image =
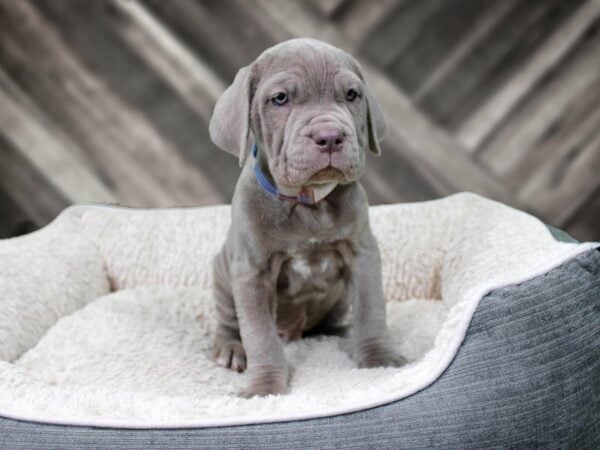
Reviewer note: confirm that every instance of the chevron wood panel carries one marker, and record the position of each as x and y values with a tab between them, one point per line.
109	100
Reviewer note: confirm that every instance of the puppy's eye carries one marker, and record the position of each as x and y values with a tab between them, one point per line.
351	95
280	99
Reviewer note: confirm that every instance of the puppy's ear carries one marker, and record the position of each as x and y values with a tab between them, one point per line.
376	124
229	125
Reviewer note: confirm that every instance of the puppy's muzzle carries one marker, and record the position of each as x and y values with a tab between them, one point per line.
329	139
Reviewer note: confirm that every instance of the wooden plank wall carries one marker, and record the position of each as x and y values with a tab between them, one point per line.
109	100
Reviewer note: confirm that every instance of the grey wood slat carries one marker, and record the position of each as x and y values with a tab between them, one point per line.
577	124
397	30
359	18
220	31
439	35
585	224
564	182
49	151
193	79
392	178
493	61
438	159
486	118
560	156
486	21
328	8
526	127
99	35
10	213
37	199
142	166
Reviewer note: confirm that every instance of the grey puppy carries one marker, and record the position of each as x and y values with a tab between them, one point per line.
299	256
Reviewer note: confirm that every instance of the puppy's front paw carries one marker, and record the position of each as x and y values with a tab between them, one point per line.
378	352
231	355
267	381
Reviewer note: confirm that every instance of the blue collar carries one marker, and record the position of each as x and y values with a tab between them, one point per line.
305	196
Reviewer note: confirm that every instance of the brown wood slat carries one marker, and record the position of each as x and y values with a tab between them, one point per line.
552	103
142	166
489	116
492	62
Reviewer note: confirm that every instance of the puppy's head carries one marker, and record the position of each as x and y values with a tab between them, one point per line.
306	105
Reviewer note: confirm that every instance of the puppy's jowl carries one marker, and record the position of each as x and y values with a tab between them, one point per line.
299	256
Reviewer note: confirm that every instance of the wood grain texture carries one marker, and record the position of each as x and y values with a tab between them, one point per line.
551	104
27	187
483	70
110	100
585	221
46	149
562	41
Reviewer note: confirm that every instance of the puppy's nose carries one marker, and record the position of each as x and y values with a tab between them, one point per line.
329	139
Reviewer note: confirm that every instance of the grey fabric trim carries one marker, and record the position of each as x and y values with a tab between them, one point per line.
526	376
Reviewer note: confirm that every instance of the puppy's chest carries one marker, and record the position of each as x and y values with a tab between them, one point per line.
309	284
309	274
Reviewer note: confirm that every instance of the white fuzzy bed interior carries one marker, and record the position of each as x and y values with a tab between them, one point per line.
107	315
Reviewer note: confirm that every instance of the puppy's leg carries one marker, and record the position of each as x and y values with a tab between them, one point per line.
372	341
228	350
253	296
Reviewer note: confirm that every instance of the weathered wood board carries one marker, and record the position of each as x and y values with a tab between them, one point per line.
110	100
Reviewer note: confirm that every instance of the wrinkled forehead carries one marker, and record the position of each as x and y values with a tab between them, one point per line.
313	66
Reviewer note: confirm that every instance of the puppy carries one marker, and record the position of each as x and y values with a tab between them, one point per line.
299	256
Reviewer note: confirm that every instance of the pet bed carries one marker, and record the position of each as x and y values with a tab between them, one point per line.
106	315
